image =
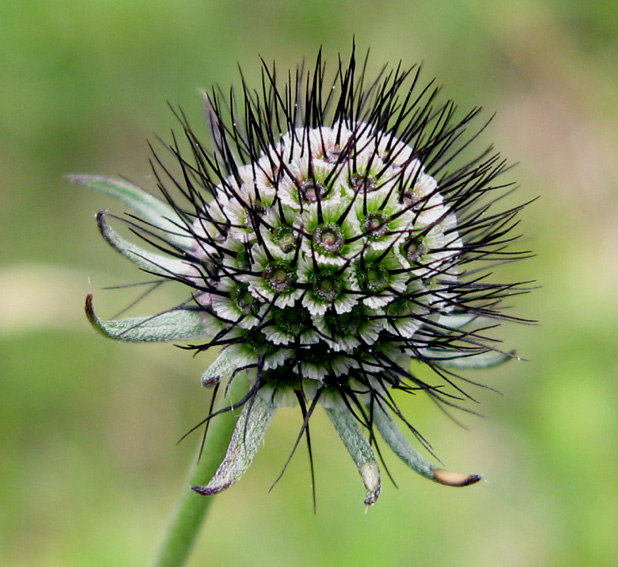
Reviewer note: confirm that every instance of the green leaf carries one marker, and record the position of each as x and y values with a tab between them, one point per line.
176	325
148	207
223	366
461	361
250	428
148	261
456	321
360	450
397	441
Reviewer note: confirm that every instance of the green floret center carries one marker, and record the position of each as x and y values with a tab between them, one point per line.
401	308
374	278
282	378
285	238
345	323
292	320
243	258
326	286
258	344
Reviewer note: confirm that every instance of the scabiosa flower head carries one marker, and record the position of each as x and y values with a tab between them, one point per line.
328	235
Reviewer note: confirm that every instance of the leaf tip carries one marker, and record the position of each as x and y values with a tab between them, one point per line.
450	478
82	178
210	490
92	318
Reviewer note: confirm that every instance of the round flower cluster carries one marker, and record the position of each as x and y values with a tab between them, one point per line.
329	250
329	241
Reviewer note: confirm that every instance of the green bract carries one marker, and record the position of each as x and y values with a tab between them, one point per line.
325	245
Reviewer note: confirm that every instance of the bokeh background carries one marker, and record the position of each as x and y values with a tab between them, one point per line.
89	465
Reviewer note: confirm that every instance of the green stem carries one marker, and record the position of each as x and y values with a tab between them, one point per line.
192	508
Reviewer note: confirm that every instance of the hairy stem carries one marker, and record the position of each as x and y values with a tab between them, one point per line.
192	508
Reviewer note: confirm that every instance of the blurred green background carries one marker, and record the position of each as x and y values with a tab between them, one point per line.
90	469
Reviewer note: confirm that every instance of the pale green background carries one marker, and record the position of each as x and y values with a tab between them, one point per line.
89	468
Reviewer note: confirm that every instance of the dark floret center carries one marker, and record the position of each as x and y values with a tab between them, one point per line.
242	298
376	224
311	190
363	182
344	323
259	344
282	377
251	214
333	156
328	238
278	276
413	249
409	199
258	209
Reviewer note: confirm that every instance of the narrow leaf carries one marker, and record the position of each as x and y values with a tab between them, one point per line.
250	428
148	261
399	444
360	450
456	321
148	207
177	325
455	359
397	441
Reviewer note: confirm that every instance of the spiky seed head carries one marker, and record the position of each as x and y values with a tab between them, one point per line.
330	237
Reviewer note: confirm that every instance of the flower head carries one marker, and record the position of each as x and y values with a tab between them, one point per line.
328	238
